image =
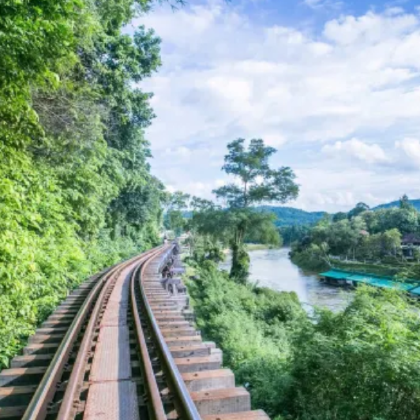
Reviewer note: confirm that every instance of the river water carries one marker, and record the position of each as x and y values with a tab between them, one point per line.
273	268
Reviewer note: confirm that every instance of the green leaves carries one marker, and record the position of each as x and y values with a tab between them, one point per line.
73	157
360	363
258	182
363	235
250	325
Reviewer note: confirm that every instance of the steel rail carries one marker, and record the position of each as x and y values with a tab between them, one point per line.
67	407
156	410
38	406
183	398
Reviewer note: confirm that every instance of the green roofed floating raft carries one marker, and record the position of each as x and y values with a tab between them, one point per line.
351	278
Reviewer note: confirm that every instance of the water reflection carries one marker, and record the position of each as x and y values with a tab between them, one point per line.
272	268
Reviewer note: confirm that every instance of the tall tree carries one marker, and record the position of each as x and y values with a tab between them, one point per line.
175	206
256	183
360	208
405	203
339	216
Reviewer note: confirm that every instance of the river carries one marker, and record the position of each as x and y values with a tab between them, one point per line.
273	268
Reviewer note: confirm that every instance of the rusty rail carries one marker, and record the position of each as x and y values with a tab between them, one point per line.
38	406
157	410
37	409
88	315
183	400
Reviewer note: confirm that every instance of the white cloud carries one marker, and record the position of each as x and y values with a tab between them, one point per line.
170	188
323	4
411	149
182	152
201	189
272	139
372	30
393	11
357	149
225	76
313	3
339	189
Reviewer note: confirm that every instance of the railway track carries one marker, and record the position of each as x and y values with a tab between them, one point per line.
123	345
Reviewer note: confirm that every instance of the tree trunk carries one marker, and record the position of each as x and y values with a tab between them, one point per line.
240	263
240	258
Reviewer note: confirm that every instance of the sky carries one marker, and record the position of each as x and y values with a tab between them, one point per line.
334	86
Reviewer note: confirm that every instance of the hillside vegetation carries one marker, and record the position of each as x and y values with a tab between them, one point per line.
362	235
360	363
76	191
396	204
289	216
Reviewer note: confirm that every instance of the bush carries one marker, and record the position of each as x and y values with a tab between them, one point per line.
252	325
360	363
311	258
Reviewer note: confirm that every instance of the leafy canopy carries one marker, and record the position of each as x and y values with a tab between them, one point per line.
257	182
77	192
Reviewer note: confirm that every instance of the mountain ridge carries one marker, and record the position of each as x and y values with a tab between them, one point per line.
291	216
396	203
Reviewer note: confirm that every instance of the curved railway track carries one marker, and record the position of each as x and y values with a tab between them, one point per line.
123	346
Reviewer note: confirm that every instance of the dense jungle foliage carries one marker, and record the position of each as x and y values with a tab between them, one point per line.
75	186
361	235
360	363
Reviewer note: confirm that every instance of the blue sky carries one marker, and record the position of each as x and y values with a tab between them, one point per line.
333	85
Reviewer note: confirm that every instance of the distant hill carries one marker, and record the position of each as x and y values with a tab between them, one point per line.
415	203
288	216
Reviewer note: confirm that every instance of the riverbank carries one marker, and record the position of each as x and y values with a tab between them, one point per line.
301	366
316	262
378	269
274	269
259	247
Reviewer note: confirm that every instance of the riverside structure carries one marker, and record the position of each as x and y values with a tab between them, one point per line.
337	277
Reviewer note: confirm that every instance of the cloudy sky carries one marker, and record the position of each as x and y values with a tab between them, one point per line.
333	85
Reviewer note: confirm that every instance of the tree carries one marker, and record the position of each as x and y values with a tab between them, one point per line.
371	219
391	242
256	183
360	363
405	203
339	216
177	201
360	208
75	184
176	205
293	233
405	219
358	227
